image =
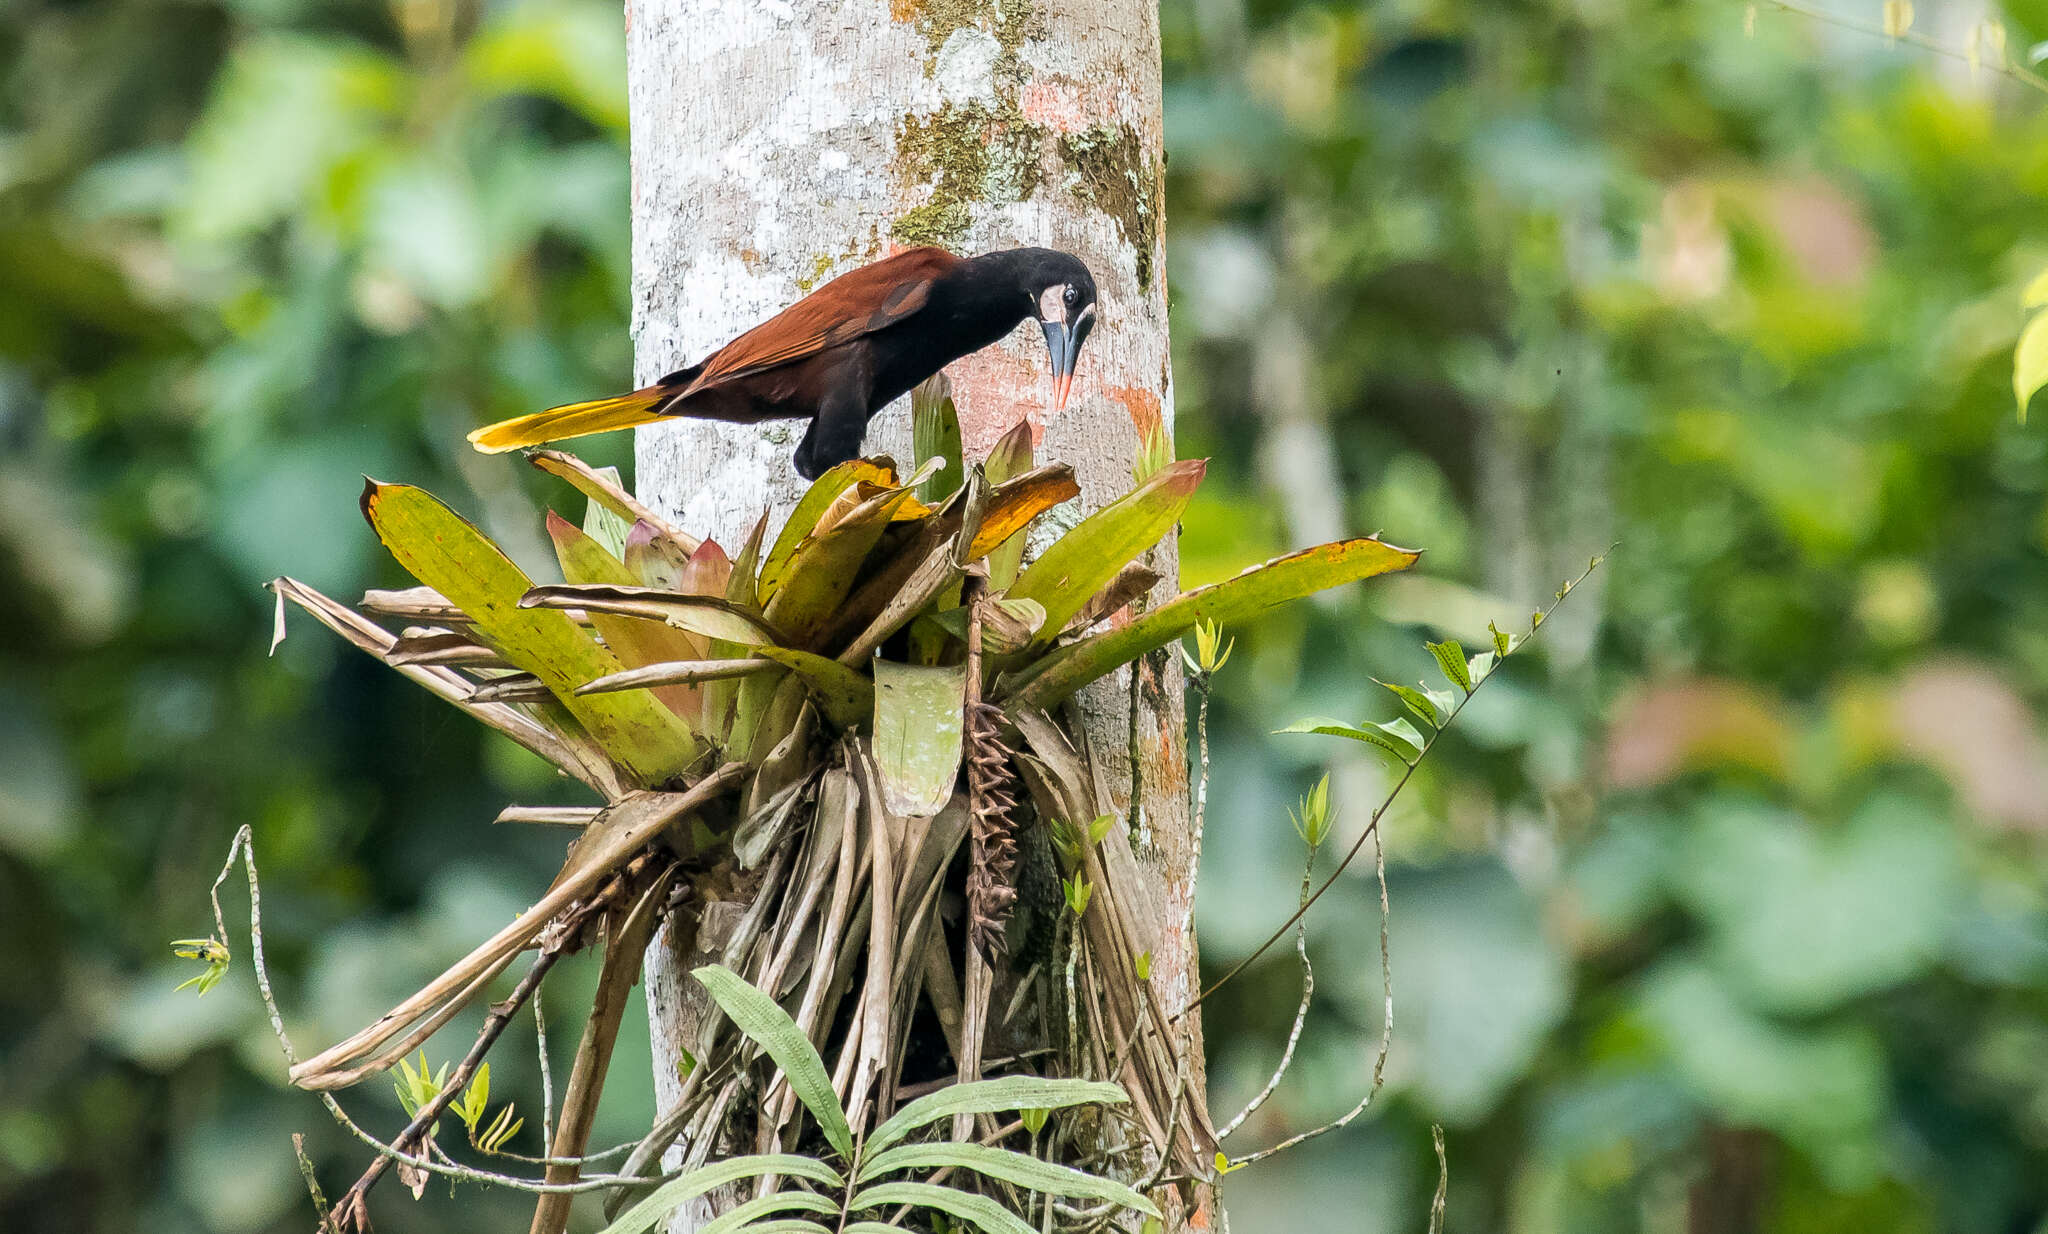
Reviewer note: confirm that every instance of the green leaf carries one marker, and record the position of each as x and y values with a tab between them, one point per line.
705	615
780	1202
743	588
1451	659
985	1214
917	734
1396	737
446	553
1068	574
1061	672
1481	666
470	1106
1010	1167
583	558
1421	704
787	1225
1312	820
1010	457
1015	1092
1211	652
769	1027
846	698
1502	644
811	507
935	434
607	526
2030	363
1155	444
2036	293
678	672
636	641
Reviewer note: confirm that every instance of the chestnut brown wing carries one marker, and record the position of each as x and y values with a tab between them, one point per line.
856	303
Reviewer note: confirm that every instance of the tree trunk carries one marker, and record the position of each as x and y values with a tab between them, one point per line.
776	144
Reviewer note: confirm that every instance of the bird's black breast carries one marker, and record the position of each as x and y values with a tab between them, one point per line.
906	354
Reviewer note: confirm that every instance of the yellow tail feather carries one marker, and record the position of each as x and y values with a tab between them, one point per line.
575	420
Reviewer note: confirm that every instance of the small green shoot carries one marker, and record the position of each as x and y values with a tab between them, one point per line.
1312	820
1211	651
1078	891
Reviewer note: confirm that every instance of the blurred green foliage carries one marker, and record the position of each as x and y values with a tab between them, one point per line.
1725	911
1723	908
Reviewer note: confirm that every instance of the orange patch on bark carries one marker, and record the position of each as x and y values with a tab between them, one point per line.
994	389
902	10
1143	405
1055	103
1166	769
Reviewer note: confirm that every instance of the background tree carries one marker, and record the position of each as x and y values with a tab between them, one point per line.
1555	275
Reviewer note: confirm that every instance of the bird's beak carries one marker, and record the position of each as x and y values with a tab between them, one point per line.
1063	344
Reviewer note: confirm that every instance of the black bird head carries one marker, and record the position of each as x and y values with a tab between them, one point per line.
1062	295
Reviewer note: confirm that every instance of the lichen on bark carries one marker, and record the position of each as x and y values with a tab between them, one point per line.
969	152
1010	21
978	150
1113	174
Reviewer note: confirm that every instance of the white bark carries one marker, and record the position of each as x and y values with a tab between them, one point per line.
776	143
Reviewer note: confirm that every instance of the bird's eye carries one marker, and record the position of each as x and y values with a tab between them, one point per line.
1073	297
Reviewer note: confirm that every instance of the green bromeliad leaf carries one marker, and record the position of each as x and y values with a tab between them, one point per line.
637	642
823	570
1067	575
845	696
445	552
705	615
1060	673
1010	457
811	507
935	433
917	734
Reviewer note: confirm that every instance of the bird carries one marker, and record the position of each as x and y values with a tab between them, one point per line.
849	349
